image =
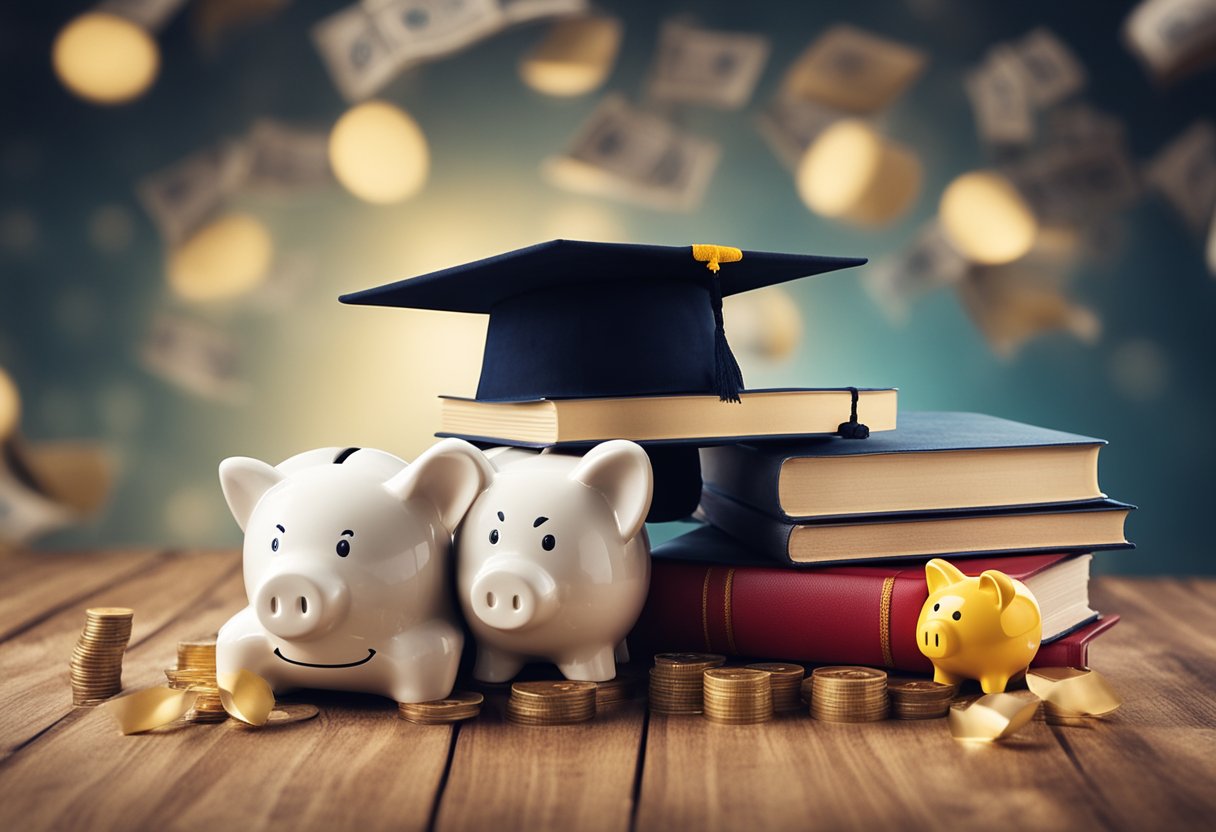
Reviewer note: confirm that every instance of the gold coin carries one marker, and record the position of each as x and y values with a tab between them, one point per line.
566	687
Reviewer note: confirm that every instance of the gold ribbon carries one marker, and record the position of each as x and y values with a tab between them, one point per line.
884	620
711	255
245	695
992	717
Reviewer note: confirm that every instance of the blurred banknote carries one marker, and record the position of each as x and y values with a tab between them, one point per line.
1011	305
194	357
1079	124
213	19
627	154
1172	38
999	99
152	15
183	196
366	45
1050	70
854	70
49	485
1077	184
1184	171
930	263
285	158
789	125
701	66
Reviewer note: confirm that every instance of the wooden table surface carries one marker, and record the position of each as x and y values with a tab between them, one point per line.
1152	764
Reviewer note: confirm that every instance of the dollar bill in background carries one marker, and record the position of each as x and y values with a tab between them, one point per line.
1172	38
790	124
194	357
1184	172
183	196
999	100
1011	305
1050	71
366	45
24	512
624	153
927	265
701	66
287	159
152	15
1080	123
1076	185
854	70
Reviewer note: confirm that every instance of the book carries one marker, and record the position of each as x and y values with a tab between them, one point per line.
1077	527
932	461
760	413
721	602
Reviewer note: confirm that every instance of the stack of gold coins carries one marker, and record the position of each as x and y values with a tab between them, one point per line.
675	681
804	690
551	703
196	671
919	698
96	666
787	683
849	694
458	706
738	695
624	687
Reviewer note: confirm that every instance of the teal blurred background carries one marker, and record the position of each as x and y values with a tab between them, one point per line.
76	304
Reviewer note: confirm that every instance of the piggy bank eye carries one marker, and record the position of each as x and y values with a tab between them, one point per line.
343	548
937	607
548	542
957	615
493	536
274	545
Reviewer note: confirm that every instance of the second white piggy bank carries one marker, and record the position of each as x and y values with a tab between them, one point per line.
553	562
346	568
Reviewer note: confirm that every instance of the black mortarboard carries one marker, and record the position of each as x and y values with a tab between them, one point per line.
571	319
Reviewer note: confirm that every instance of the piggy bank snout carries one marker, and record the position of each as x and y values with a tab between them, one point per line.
297	606
511	595
937	639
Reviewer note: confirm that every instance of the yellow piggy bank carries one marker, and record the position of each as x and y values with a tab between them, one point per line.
986	628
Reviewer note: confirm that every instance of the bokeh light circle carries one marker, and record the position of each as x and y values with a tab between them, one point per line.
226	258
10	405
985	218
104	58
852	173
379	153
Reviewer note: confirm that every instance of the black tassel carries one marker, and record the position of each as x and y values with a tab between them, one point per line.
728	378
853	429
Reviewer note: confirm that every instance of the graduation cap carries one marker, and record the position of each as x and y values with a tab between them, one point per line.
572	319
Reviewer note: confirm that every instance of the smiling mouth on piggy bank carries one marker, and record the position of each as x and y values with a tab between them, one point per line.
364	660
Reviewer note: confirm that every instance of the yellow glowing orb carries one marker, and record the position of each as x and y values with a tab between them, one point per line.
225	258
574	58
985	218
852	173
104	58
379	153
10	405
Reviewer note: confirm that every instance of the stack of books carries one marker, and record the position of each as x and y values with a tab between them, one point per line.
814	551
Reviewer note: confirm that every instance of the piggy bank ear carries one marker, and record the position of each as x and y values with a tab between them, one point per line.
620	470
244	481
1018	612
940	574
449	475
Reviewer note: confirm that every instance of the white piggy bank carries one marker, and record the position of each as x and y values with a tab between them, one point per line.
346	569
553	562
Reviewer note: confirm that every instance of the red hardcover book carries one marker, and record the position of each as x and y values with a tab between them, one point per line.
835	615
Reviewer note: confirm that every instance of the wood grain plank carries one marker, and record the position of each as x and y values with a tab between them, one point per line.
34	665
796	772
506	776
34	585
1153	761
355	766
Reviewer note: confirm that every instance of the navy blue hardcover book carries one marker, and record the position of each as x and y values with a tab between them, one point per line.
930	462
1069	527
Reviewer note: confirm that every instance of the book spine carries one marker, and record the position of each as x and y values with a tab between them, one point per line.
757	530
745	475
820	618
